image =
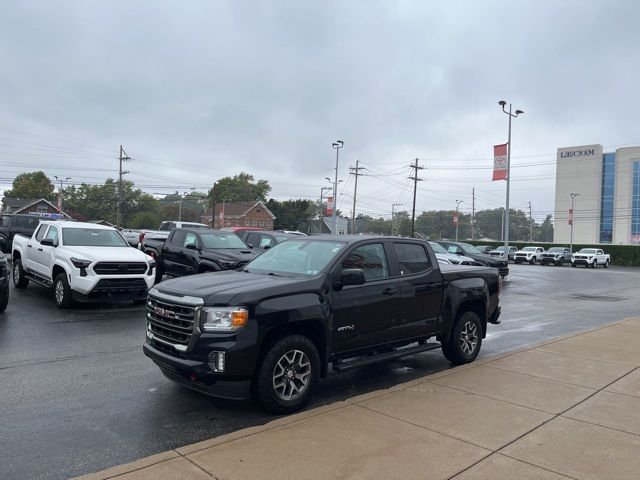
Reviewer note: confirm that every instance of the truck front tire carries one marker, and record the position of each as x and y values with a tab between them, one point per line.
287	375
463	345
62	291
19	280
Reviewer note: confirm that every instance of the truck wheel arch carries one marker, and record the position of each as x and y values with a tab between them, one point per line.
314	330
57	269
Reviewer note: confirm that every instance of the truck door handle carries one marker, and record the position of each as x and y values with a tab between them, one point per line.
389	291
29	245
39	249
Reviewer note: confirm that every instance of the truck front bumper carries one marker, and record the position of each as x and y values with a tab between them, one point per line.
94	289
198	375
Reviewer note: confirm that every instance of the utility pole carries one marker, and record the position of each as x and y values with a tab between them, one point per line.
571	218
415	179
530	224
61	180
458	202
356	172
393	212
123	158
337	145
473	213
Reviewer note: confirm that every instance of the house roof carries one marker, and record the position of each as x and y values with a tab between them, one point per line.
240	209
20	204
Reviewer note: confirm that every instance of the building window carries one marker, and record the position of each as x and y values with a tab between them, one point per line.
635	204
606	201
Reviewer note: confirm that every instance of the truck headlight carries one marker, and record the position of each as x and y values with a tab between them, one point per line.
78	263
151	264
215	319
227	263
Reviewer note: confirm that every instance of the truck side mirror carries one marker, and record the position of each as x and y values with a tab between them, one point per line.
352	276
191	246
48	242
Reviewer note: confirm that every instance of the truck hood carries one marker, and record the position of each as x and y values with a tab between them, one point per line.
109	254
230	254
227	287
456	258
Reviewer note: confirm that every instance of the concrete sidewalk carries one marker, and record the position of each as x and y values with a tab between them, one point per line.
569	408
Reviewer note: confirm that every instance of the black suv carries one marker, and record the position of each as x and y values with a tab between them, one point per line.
468	250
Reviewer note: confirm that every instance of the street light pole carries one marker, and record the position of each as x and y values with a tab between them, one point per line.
502	103
337	145
573	198
458	202
61	180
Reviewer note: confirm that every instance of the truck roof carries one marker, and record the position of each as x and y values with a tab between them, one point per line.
66	223
356	238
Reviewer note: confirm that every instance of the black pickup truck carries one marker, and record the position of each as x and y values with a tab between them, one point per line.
271	329
187	251
10	224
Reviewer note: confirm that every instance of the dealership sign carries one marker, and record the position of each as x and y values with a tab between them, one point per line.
500	161
586	152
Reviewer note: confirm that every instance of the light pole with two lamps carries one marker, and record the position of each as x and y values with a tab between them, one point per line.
337	145
502	103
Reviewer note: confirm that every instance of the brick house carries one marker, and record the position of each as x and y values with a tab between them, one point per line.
30	206
241	214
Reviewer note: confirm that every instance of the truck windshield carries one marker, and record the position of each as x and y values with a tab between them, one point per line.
221	240
437	248
529	249
556	250
592	251
92	237
297	257
470	248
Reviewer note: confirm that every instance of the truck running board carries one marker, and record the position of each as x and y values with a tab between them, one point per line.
34	277
343	365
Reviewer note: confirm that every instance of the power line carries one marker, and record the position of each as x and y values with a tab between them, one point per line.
415	179
123	158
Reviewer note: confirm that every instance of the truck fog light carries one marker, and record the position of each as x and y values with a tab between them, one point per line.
216	361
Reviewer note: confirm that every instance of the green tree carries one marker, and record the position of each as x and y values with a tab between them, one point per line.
31	185
291	214
240	188
545	232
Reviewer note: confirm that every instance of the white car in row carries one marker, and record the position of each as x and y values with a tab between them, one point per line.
82	261
590	257
529	254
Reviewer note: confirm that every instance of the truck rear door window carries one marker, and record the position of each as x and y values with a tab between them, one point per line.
371	259
411	257
190	239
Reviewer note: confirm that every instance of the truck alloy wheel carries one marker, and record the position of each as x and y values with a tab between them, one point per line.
287	375
463	345
291	375
62	291
19	280
606	264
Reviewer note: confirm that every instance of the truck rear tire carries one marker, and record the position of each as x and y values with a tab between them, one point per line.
287	375
463	345
62	291
19	279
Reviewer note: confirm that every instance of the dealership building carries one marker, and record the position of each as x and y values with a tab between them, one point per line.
605	188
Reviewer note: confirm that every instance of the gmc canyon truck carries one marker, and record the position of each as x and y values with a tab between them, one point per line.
82	261
188	251
272	329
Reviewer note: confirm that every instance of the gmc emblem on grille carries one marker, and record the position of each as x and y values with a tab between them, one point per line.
122	267
161	312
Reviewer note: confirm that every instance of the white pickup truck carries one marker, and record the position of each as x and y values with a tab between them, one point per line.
82	261
165	228
590	257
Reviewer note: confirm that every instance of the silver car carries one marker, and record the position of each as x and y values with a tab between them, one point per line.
445	257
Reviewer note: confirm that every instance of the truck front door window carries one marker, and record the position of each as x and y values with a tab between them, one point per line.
190	239
371	259
41	230
52	234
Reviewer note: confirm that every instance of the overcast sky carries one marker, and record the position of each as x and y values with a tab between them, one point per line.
199	90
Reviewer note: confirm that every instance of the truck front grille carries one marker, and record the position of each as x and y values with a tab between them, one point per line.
171	324
120	268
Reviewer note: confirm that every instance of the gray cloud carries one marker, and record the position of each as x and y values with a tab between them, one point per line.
195	90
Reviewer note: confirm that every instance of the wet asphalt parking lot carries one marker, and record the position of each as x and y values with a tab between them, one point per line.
77	394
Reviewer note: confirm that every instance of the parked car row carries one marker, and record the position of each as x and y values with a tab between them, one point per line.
588	257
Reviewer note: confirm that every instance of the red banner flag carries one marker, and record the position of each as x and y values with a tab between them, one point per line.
500	162
571	216
455	219
329	211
